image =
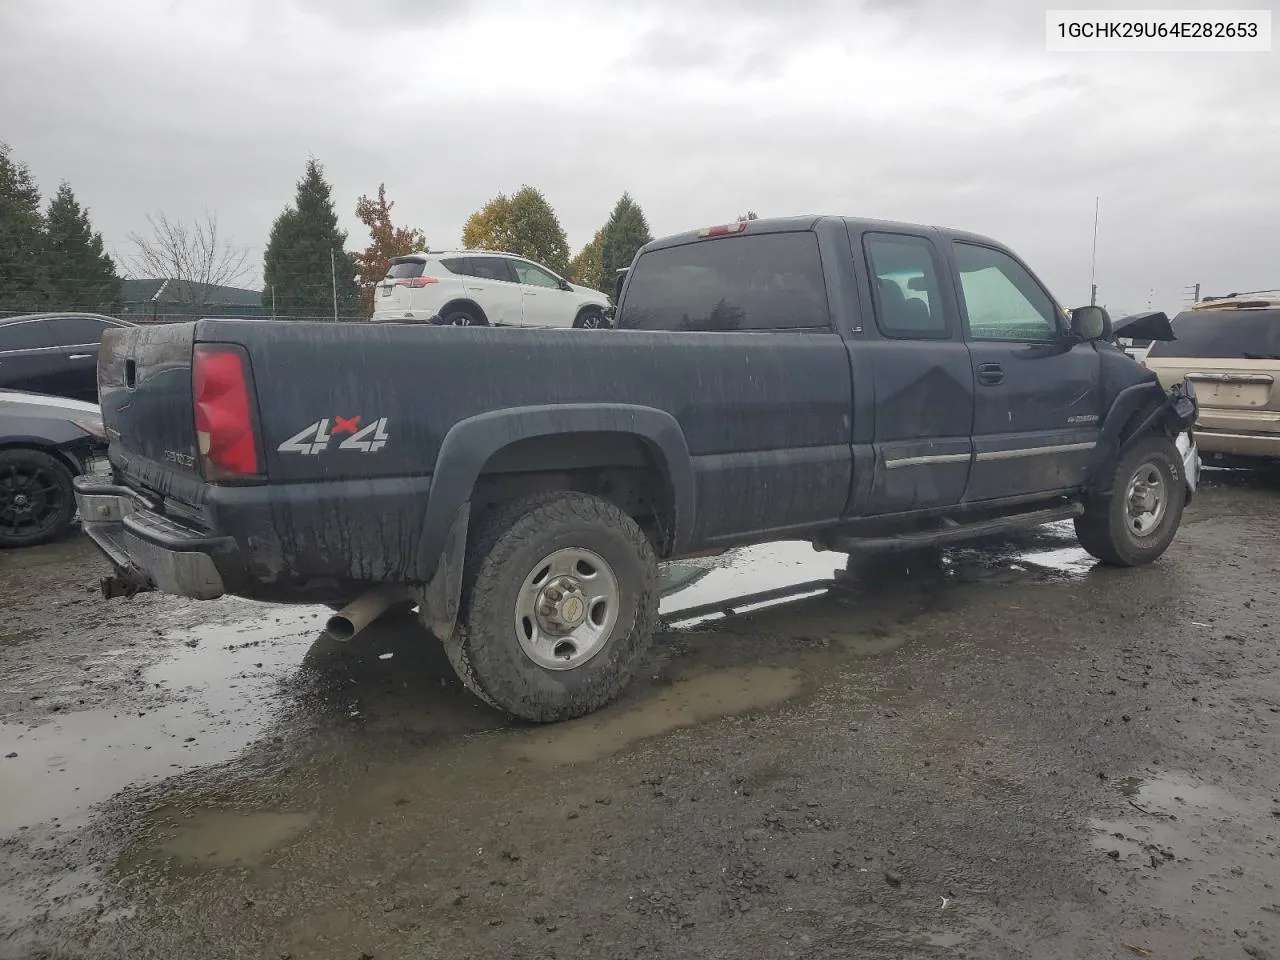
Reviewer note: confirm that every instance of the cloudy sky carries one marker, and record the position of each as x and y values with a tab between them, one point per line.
926	110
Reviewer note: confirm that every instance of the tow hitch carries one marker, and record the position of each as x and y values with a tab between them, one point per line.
124	583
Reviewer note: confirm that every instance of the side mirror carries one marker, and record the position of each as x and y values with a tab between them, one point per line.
1090	323
566	286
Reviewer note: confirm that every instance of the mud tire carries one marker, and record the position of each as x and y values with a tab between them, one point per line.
1104	530
504	549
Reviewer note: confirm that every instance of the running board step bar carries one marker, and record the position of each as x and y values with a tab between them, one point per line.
952	532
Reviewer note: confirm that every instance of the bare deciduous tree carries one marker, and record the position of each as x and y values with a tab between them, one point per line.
194	258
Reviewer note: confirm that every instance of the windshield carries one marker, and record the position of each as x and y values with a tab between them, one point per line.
1223	334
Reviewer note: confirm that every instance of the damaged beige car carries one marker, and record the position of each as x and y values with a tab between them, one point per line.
1229	348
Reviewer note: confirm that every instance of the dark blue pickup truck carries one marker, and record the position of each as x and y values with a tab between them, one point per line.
861	384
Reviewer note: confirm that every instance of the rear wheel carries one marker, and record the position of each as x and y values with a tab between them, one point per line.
37	502
1138	521
462	317
559	603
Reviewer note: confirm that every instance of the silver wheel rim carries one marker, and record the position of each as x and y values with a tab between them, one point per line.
1146	499
592	321
566	608
461	320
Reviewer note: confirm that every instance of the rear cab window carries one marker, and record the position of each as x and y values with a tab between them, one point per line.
766	281
1222	335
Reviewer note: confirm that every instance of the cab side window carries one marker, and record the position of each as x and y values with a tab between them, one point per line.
1001	300
905	287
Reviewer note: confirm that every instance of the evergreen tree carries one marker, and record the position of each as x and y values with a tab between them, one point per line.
24	275
523	224
625	233
83	277
296	265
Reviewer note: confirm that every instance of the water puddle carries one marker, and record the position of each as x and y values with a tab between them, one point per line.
1187	837
847	624
685	703
223	838
205	701
1069	560
749	570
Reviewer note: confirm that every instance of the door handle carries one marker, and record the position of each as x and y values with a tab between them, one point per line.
990	373
81	356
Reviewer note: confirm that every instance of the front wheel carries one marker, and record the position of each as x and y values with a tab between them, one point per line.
37	502
559	603
592	318
1137	522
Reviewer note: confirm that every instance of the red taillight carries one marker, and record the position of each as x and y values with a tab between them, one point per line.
723	230
414	281
224	417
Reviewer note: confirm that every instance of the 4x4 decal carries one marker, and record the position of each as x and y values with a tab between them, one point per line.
315	438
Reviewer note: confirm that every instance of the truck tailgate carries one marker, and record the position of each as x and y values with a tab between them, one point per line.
144	389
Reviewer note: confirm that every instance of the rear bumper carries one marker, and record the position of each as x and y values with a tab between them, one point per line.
1238	444
150	551
284	543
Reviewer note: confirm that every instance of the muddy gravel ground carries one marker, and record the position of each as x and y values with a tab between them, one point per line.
1007	753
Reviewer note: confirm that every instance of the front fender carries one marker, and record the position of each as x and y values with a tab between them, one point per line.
1136	411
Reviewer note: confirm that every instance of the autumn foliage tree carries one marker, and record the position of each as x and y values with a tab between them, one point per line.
388	241
584	269
523	224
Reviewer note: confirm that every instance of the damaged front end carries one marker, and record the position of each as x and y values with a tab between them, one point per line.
1176	416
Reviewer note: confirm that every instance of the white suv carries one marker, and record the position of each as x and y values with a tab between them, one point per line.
480	288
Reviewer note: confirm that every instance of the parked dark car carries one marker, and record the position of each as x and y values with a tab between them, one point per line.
859	384
54	353
44	443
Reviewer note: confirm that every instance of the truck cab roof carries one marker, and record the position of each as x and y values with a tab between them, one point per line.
789	224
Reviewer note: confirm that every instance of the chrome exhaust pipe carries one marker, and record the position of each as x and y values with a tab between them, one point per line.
365	609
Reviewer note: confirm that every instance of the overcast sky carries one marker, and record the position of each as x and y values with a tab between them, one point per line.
938	111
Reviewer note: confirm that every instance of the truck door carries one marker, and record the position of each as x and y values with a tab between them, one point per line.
1037	399
922	378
